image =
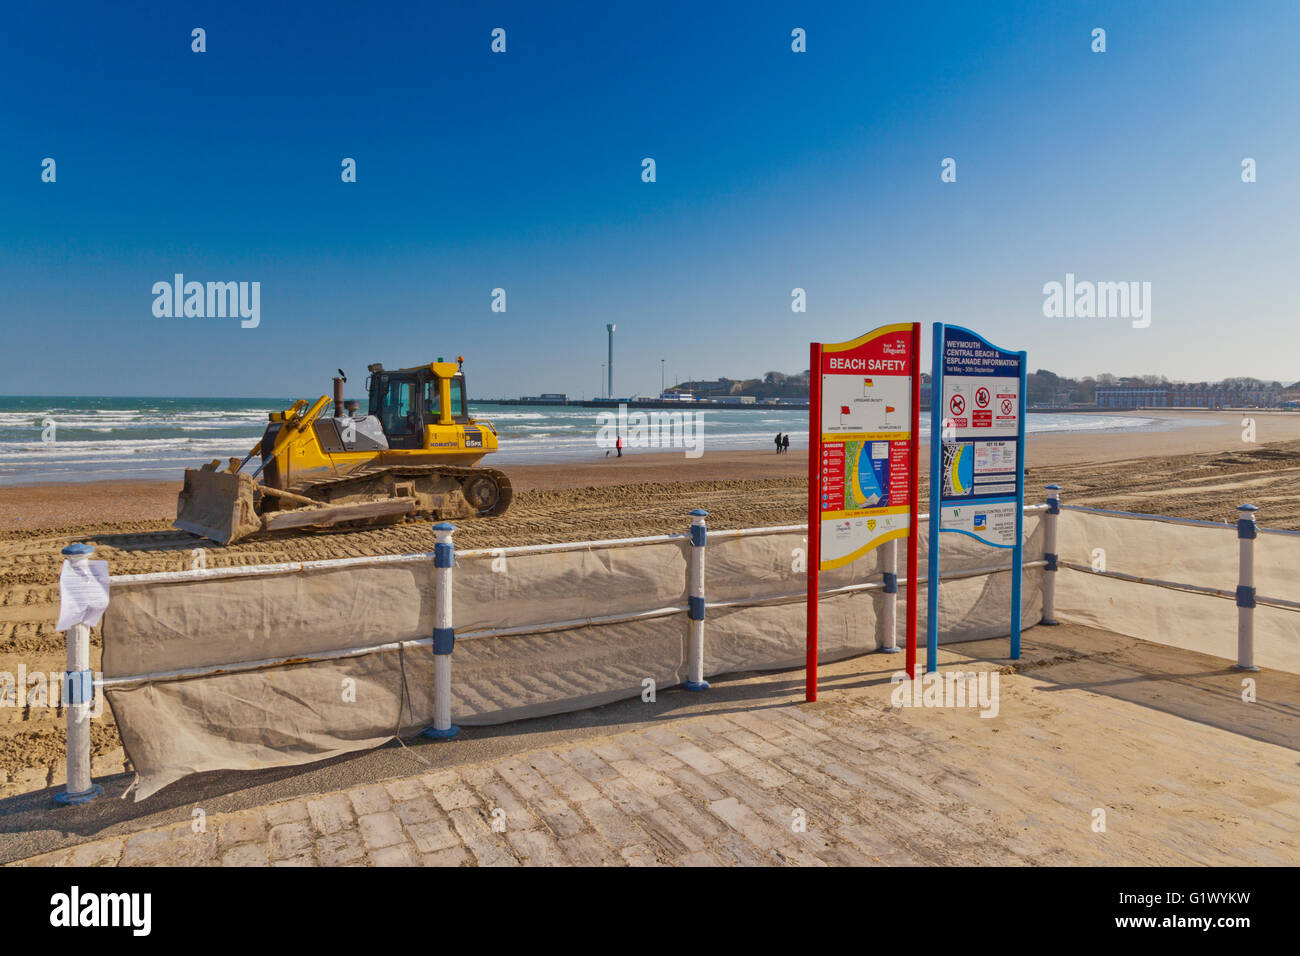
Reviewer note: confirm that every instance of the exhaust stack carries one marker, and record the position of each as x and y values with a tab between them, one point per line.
338	393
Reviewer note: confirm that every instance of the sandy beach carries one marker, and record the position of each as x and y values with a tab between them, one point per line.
1201	471
1055	457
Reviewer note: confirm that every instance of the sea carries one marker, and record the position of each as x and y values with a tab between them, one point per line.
65	438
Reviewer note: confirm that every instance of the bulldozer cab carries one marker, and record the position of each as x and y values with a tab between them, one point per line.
407	400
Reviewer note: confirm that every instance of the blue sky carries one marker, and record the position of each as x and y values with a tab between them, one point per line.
522	171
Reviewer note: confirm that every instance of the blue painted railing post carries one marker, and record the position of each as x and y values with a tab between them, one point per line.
444	635
1049	554
695	599
78	696
1018	551
936	456
889	610
1246	532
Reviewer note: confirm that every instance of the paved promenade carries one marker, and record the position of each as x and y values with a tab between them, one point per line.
1154	743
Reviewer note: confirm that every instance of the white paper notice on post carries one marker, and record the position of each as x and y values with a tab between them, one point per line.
83	591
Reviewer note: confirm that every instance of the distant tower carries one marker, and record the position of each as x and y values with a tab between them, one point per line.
610	328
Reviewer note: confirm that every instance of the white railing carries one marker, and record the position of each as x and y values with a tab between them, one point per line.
443	557
1244	594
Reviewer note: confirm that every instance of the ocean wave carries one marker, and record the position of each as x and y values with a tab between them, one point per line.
156	438
17	450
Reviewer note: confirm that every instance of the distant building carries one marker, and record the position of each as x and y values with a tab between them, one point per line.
770	388
1199	395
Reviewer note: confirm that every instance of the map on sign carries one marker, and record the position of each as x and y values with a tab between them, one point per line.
981	435
866	437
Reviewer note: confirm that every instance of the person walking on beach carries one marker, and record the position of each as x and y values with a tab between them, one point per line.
778	443
785	443
619	445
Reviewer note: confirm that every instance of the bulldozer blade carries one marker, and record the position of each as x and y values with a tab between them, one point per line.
217	505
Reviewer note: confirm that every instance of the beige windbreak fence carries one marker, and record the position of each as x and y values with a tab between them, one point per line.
1174	582
206	670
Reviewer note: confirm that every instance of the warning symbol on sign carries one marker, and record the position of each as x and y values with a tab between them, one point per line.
982	397
957	404
1006	406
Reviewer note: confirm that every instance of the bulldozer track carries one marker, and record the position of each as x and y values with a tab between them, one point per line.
366	475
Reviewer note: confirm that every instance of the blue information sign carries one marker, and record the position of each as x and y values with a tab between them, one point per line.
977	458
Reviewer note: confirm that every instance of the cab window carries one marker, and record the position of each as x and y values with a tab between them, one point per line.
457	398
399	413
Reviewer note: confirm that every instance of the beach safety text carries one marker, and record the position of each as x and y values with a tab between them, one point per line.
866	365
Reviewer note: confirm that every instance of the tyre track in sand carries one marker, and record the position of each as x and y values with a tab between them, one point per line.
1204	487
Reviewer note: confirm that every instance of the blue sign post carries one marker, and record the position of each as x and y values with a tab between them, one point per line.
977	459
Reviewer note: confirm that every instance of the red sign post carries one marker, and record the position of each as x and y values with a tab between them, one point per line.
863	460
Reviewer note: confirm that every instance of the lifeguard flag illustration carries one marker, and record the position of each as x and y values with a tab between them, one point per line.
844	410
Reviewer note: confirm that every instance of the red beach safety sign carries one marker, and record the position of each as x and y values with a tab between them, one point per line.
864	424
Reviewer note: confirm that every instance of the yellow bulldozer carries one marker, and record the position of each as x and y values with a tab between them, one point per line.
412	454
